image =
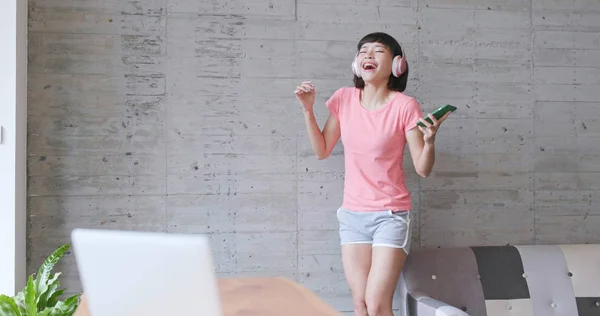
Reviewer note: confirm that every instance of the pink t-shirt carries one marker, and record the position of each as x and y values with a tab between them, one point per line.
374	144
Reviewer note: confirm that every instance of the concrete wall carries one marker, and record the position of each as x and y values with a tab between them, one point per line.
13	145
179	116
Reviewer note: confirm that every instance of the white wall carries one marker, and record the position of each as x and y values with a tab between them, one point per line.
13	119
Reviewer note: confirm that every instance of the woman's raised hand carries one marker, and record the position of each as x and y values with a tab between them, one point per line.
430	130
305	93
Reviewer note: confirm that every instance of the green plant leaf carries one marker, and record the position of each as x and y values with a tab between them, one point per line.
30	303
8	306
40	297
70	304
44	298
47	266
45	312
20	297
20	300
66	308
51	311
53	299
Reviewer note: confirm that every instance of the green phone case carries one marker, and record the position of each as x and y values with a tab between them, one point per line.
439	113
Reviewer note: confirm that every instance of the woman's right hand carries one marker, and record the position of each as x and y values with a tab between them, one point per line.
305	93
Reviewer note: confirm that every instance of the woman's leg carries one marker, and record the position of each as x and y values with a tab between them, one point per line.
387	263
374	247
356	256
391	243
356	259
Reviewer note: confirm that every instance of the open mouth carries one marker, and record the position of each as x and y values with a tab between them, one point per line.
369	66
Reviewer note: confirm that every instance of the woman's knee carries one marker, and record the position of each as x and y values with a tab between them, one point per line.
360	308
374	310
378	307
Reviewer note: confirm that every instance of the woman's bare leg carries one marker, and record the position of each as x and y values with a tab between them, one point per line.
387	263
356	259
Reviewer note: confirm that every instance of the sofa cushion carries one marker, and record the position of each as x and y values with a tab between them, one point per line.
449	275
501	271
583	264
556	280
546	272
514	307
588	306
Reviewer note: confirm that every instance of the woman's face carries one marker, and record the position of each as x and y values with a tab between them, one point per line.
375	62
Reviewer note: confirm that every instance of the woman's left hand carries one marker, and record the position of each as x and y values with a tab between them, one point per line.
431	129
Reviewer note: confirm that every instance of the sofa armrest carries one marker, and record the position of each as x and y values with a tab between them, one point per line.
423	305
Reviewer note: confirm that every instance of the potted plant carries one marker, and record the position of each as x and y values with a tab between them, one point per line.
41	295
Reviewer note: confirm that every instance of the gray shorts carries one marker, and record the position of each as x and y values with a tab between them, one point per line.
379	228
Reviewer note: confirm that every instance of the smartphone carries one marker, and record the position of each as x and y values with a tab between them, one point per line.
438	113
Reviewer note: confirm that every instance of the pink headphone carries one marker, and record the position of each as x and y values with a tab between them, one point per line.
398	65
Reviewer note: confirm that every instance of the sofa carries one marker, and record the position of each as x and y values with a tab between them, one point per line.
527	280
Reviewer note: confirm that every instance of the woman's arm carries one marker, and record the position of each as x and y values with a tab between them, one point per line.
322	142
422	154
421	143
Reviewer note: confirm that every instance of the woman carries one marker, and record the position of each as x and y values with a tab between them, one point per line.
374	120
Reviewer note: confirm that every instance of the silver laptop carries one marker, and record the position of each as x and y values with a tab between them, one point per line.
125	273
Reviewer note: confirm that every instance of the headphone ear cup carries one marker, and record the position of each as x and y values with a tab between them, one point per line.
398	66
395	66
355	68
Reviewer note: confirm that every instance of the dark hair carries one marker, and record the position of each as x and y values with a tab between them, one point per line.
394	83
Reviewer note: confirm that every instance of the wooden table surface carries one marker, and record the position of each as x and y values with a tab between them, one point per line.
261	296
